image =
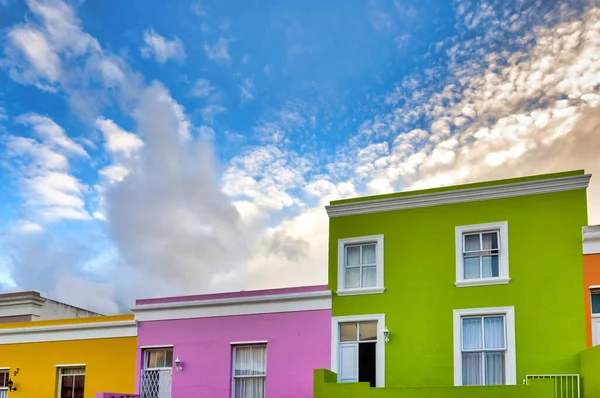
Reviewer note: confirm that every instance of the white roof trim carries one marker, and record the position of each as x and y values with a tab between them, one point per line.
291	302
591	240
460	196
78	331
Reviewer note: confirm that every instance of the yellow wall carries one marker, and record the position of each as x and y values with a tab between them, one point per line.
110	363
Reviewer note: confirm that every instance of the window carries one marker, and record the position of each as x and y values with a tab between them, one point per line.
249	371
595	297
482	254
360	265
596	303
4	376
484	347
157	373
358	350
71	382
159	359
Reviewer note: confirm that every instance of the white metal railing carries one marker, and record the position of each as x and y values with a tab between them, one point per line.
155	383
565	386
3	392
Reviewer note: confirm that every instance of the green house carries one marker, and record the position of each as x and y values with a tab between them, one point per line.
469	285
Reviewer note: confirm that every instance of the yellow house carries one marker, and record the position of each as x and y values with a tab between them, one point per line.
68	358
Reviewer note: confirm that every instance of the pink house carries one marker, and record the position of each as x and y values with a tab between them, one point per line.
252	344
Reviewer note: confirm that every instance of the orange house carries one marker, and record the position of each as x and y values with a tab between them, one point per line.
591	282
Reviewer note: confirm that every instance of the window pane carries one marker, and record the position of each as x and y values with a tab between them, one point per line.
367	331
369	276
169	359
151	359
472	243
494	368
471	334
596	303
368	254
3	378
471	369
352	278
490	241
348	332
250	387
352	255
494	332
66	387
489	266
79	386
160	359
72	371
471	265
250	361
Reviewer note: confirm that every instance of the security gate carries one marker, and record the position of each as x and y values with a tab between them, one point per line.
155	383
565	386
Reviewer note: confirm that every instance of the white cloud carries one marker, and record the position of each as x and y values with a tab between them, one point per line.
199	10
52	133
3	113
210	111
202	88
246	90
118	141
162	48
218	52
33	45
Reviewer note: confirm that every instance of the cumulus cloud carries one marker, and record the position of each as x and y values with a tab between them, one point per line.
162	48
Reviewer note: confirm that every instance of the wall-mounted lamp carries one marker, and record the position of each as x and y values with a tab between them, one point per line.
178	364
11	385
386	335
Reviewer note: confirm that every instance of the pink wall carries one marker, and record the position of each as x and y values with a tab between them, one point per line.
115	395
298	343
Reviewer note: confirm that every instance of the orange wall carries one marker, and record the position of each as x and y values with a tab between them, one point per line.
591	277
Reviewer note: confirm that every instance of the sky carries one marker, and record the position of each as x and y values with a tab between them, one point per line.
154	148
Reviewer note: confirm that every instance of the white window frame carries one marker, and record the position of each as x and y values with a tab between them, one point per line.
595	318
60	375
234	347
7	371
503	277
510	360
342	243
380	348
147	352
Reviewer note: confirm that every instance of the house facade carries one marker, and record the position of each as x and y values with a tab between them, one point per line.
468	285
591	283
69	358
251	344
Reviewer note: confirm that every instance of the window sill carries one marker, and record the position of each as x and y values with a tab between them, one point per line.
482	282
367	290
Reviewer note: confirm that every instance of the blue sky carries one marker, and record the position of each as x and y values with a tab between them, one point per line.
183	147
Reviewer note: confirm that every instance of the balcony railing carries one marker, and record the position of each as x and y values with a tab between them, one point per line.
156	383
565	386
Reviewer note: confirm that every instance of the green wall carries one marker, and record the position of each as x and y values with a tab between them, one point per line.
327	387
590	372
545	265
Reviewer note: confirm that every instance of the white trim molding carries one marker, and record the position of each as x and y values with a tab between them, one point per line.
71	365
76	331
379	254
155	346
591	239
290	302
380	349
503	276
510	359
498	191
